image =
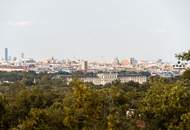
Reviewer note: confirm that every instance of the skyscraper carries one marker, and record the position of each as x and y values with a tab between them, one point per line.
6	54
84	66
133	61
22	55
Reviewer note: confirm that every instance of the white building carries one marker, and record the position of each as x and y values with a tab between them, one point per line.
107	77
180	67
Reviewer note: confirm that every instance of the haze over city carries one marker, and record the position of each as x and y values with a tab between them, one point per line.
94	64
148	29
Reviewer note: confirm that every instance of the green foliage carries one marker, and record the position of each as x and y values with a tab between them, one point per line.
164	105
186	74
16	76
184	56
51	104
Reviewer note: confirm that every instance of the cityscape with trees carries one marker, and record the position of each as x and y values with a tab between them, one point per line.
50	103
94	64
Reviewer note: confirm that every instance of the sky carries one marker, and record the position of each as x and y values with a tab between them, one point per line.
144	29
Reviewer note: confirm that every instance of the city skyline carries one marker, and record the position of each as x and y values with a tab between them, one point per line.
6	56
143	29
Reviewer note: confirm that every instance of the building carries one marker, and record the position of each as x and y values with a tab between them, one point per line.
133	61
84	66
6	54
125	62
14	59
180	67
166	74
135	77
109	77
129	61
105	78
116	62
9	68
22	55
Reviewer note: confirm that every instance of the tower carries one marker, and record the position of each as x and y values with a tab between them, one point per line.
22	55
84	66
6	54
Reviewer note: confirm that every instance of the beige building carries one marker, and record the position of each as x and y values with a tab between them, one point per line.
104	78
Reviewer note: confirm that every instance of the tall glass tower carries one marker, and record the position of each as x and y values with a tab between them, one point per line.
6	54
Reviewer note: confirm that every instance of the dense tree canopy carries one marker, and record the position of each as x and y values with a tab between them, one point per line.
164	106
54	105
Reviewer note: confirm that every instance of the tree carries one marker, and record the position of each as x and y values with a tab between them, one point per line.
184	56
186	74
2	110
164	105
37	120
21	103
83	108
43	119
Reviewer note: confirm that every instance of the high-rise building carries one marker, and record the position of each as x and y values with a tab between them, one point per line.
84	66
159	61
22	55
10	58
116	62
6	54
133	61
125	62
14	58
129	61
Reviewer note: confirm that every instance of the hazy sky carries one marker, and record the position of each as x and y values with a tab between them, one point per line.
147	29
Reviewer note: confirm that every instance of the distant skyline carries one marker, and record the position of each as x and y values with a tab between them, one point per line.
6	56
144	29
